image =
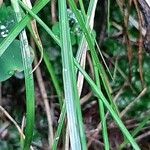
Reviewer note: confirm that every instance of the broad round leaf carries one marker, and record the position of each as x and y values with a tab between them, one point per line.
11	61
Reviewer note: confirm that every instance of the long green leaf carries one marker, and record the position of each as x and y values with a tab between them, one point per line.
30	100
107	105
71	95
102	111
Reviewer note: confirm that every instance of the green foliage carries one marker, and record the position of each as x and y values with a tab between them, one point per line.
73	35
7	14
60	43
7	20
13	141
11	60
114	48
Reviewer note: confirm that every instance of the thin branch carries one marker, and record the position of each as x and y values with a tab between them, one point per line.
142	136
14	122
53	11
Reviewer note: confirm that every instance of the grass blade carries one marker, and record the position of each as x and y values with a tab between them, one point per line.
29	83
136	131
102	111
107	105
70	88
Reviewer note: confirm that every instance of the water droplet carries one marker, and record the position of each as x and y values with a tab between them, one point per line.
4	34
65	70
57	138
2	27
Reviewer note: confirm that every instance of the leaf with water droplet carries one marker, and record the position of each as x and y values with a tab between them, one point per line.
7	20
11	60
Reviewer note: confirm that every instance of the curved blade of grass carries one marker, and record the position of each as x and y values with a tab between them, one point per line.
108	106
71	95
45	57
29	83
20	26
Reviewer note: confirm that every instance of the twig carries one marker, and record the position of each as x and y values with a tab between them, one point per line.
144	135
140	52
53	11
1	2
3	128
148	2
85	98
22	125
14	122
46	104
97	141
131	19
67	138
127	37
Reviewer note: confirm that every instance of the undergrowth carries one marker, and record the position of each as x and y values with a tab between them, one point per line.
73	75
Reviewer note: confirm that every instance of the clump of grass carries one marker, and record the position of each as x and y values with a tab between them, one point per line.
69	99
